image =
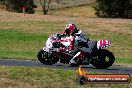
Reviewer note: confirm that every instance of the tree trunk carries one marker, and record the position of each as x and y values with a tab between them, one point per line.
45	6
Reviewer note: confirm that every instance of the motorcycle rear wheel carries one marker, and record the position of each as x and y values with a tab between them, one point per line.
44	58
102	59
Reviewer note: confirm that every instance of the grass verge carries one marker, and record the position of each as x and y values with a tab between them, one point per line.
23	39
45	78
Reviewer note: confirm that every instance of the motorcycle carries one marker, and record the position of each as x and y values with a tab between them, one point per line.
99	57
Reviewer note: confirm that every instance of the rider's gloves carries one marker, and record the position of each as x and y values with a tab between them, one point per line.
59	36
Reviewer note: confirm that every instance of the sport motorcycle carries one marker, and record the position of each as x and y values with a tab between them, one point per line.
51	53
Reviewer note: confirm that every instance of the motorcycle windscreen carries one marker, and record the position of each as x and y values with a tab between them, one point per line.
103	43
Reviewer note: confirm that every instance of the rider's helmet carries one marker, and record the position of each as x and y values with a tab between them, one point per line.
70	29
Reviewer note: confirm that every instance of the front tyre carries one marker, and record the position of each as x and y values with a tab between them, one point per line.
47	58
102	59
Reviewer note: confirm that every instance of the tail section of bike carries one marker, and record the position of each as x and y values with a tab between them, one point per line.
103	43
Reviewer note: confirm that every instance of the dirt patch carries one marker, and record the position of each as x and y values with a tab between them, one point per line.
9	16
107	24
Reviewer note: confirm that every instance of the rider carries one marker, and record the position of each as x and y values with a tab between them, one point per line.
79	42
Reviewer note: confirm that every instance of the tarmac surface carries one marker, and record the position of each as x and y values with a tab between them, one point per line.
115	69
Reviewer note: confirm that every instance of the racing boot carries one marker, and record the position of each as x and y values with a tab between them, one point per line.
73	61
81	58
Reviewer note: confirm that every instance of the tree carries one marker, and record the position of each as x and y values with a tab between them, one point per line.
16	5
112	8
45	5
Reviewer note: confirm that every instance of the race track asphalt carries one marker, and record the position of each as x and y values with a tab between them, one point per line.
115	69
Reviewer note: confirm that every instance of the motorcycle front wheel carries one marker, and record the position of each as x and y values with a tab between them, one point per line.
47	58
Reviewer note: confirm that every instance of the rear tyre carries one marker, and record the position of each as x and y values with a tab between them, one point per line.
47	58
102	59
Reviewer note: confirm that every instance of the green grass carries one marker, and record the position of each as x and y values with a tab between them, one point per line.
47	78
23	39
16	36
130	27
126	61
16	44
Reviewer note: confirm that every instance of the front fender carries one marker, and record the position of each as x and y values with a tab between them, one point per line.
51	49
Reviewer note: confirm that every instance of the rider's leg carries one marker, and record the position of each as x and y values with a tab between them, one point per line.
74	59
80	55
